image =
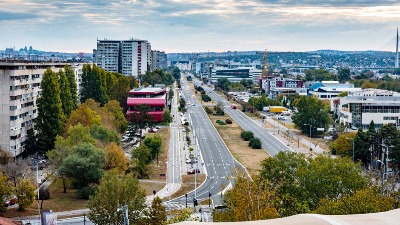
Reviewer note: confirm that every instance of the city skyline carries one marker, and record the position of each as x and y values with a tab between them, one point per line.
203	25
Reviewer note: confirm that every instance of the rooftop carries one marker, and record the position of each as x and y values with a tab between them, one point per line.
146	90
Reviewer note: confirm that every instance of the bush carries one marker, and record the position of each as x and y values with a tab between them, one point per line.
247	135
199	88
228	121
208	110
255	143
202	92
205	98
86	192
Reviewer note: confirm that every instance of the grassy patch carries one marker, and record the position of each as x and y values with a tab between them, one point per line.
58	202
155	170
230	133
188	184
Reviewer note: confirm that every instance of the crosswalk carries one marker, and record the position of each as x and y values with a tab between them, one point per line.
174	205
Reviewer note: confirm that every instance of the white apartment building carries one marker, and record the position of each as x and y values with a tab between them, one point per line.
360	108
130	57
19	90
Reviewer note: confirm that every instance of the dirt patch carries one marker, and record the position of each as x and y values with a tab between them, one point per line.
58	202
230	133
188	185
150	186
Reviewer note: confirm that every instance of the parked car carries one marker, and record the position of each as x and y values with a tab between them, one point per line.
233	106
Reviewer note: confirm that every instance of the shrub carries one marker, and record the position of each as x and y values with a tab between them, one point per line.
202	92
205	98
86	192
208	110
228	121
255	143
247	135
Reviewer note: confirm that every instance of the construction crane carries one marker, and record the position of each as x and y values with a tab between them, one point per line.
264	70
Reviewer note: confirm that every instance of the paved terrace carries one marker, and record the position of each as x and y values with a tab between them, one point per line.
384	218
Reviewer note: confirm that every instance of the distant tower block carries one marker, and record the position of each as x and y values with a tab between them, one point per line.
396	64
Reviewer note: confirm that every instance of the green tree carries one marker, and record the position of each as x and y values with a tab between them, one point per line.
69	73
93	84
141	157
302	182
30	144
247	201
49	122
176	73
167	118
154	144
84	166
344	74
361	147
369	200
157	214
4	191
311	113
343	144
25	193
56	158
119	91
65	93
115	191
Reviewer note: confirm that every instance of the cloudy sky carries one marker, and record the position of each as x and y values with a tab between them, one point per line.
201	25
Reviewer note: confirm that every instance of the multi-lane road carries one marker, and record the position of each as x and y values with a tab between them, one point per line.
269	142
216	158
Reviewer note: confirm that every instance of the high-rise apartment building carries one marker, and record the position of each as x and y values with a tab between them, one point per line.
159	60
129	57
19	90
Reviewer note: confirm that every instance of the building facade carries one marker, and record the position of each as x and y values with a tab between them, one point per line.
159	60
128	57
155	98
19	90
359	109
235	74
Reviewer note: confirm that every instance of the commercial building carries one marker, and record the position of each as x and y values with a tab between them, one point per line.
155	98
360	108
128	57
235	74
276	86
19	90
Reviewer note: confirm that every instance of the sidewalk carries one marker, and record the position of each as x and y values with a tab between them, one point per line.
296	142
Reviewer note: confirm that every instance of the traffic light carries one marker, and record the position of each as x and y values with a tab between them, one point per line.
209	194
194	202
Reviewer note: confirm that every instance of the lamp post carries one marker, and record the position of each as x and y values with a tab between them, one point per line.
306	124
387	158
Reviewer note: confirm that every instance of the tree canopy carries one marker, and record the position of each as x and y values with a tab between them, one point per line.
311	113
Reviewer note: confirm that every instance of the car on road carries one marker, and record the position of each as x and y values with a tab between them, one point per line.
193	171
193	160
233	106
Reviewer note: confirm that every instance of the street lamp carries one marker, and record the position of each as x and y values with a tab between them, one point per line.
383	174
387	157
306	124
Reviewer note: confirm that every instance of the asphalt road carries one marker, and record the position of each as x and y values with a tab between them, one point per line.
269	142
218	162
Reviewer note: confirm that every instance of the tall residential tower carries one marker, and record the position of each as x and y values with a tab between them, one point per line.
129	57
396	64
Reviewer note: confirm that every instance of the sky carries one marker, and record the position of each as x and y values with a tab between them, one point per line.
201	25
